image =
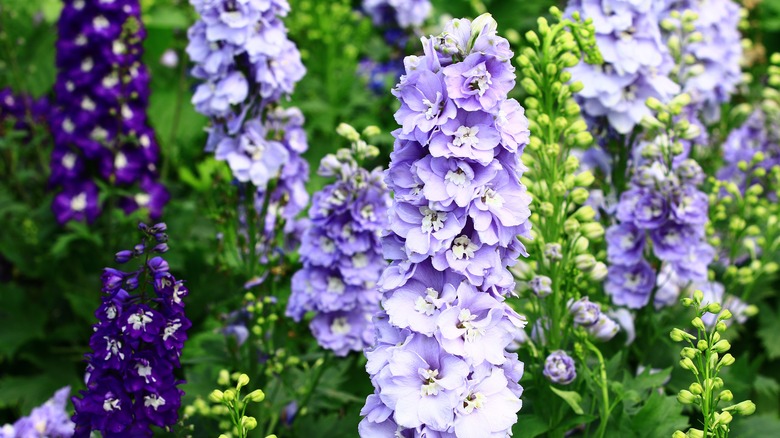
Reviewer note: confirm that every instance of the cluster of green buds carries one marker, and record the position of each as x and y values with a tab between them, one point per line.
747	226
681	30
264	317
359	149
668	127
705	356
565	229
234	405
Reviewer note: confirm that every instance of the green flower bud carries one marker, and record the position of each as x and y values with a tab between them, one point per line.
770	268
721	346
698	323
698	296
559	188
687	364
702	345
592	230
687	302
576	86
584	262
224	378
678	434
678	335
721	327
256	396
371	131
551	69
723	418
572	109
546	208
746	408
695	433
571	164
726	361
532	38
584	179
585	213
249	423
717	383
713	308
222	435
696	388
685	397
689	352
579	195
243	380
565	76
530	86
599	272
216	396
726	395
348	132
229	395
571	226
581	246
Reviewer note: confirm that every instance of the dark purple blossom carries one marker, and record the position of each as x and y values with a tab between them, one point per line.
136	346
99	119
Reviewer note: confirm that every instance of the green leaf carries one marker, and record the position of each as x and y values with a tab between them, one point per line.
770	327
18	324
571	398
756	425
661	415
529	426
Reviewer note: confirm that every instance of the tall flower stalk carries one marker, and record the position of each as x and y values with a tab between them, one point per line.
246	65
136	345
100	120
341	250
440	363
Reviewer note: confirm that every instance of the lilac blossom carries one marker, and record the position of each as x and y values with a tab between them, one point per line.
247	65
663	213
136	345
397	13
99	117
49	420
636	65
440	364
715	73
757	135
559	368
338	281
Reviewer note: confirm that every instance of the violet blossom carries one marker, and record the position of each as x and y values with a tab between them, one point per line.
342	256
49	420
440	364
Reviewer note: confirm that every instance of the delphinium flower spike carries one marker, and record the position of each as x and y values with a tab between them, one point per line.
663	210
247	64
341	250
100	120
440	365
636	62
136	346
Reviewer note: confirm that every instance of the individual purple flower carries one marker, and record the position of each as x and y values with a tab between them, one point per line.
136	346
440	364
585	312
338	280
99	121
604	329
77	202
559	368
541	285
49	420
630	285
625	244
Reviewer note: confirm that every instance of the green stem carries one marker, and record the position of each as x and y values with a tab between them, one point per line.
604	409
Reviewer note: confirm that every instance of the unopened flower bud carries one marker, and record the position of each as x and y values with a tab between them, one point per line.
584	179
702	345
584	262
726	395
579	195
585	213
725	315
688	352
686	397
348	132
695	433
599	272
746	407
698	323
224	378
696	388
721	346
243	380
249	423
216	396
687	364
229	395
571	226
678	335
723	418
256	396
714	308
592	230
726	361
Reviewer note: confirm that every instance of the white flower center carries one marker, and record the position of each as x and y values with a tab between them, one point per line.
139	320
462	247
457	177
367	212
430	387
335	285
359	260
492	198
68	126
474	401
142	199
120	161
327	245
111	404
171	329
432	221
79	202
481	79
429	303
112	347
100	22
144	371
340	326
466	136
153	400
433	107
87	64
